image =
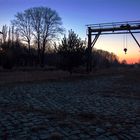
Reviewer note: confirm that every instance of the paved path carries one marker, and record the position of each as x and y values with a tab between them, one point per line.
86	110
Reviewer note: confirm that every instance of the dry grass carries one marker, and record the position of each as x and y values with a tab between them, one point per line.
130	75
13	77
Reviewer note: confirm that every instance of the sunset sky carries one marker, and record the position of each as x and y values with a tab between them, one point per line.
76	14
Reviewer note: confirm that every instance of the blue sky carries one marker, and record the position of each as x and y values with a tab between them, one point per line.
76	14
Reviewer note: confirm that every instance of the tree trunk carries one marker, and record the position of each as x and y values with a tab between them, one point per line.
30	56
38	51
43	54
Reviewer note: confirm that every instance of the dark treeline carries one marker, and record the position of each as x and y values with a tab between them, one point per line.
30	42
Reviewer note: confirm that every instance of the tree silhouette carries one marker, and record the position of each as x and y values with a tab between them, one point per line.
4	33
124	62
43	23
103	58
46	25
22	22
72	51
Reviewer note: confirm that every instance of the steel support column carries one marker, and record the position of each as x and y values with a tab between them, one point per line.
90	46
95	39
134	38
89	51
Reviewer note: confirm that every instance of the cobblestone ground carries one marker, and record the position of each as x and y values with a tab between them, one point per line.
85	109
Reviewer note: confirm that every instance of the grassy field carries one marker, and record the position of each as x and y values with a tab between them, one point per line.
129	76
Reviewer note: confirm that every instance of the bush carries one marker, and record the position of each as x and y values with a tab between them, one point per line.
7	59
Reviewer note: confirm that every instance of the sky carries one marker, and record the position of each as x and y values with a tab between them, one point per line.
76	14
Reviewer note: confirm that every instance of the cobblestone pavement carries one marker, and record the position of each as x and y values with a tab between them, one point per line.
83	109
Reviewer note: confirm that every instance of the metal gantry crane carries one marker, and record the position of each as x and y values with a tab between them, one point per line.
127	27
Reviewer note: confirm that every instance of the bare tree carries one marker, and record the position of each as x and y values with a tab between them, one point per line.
41	22
103	59
35	14
17	36
46	25
22	22
4	33
9	34
13	33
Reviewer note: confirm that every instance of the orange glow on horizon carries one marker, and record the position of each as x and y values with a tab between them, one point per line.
115	44
131	59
